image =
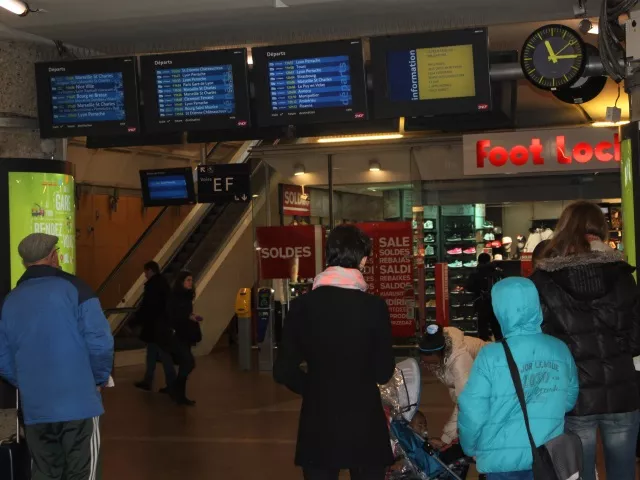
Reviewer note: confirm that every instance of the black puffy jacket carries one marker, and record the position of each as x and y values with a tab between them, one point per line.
590	301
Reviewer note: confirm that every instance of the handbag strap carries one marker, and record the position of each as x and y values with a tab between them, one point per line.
517	382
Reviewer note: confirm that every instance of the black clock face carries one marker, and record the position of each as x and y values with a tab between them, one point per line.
553	57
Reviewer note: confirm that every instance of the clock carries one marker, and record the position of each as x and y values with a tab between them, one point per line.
553	57
584	89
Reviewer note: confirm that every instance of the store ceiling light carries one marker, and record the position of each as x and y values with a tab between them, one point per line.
15	6
360	138
374	166
298	170
609	124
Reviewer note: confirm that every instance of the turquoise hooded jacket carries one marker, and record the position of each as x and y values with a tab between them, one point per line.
490	423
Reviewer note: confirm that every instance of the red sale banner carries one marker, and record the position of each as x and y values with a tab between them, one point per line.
290	252
389	272
295	201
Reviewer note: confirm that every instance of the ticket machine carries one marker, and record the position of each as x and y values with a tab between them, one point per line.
265	330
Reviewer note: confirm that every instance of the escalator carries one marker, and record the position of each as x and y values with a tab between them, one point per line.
194	253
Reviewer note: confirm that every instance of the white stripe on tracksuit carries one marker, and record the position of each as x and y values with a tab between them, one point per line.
95	449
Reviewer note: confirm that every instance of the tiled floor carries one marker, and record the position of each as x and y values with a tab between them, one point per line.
243	427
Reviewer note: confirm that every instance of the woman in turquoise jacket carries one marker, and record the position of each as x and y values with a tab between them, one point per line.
490	423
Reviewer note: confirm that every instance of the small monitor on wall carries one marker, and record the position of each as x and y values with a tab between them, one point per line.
87	97
196	91
433	73
169	186
310	83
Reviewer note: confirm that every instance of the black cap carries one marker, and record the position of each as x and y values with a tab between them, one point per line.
433	340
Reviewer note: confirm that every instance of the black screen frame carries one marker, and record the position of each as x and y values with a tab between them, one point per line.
353	48
126	65
386	108
236	57
185	171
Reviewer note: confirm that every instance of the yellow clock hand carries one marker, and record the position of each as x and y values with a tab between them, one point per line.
552	56
565	47
561	57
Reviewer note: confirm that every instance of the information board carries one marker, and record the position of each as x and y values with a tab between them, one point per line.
88	97
224	183
431	73
42	203
196	90
435	73
321	82
170	186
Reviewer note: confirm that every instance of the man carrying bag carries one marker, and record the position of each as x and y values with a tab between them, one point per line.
492	417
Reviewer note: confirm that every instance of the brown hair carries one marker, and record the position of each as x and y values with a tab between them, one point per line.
576	222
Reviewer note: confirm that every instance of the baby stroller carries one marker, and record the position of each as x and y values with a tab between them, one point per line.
416	458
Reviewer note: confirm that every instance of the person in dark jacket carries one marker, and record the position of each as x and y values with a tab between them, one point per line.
480	283
56	348
155	329
590	301
186	332
343	336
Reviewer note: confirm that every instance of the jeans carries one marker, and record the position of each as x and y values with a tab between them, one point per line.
372	473
619	433
154	352
525	475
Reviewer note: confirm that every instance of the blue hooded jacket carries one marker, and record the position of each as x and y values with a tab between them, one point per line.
56	346
490	422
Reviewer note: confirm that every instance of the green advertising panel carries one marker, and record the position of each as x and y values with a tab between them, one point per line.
628	207
42	203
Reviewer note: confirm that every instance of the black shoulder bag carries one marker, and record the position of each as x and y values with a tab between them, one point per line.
559	458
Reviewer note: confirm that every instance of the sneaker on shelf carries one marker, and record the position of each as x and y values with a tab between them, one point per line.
469	304
454	238
457	289
487	224
428	225
430	239
431	303
429	265
496	244
457	319
456	305
456	264
469	251
431	291
470	238
430	251
472	264
489	237
455	251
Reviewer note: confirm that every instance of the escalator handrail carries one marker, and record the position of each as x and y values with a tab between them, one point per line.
132	250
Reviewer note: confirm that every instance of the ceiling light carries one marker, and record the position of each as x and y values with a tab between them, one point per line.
249	59
298	170
374	166
15	6
610	124
361	138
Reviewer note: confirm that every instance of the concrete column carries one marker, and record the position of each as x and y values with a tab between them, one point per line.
19	137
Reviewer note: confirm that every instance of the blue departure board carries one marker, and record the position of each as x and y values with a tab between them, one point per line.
195	91
310	83
87	98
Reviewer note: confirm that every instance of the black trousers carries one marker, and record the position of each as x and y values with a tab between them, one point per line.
186	364
370	473
65	450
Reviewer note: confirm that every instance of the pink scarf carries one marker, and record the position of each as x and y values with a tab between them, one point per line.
350	278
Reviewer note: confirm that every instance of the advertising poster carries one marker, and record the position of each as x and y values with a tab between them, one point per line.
293	252
389	272
42	203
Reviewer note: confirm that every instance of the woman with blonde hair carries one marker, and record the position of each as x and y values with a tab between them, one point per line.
590	301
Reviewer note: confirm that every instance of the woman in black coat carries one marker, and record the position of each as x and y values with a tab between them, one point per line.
186	332
590	301
343	336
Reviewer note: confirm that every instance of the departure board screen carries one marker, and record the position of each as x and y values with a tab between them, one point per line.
88	97
196	90
299	84
96	97
436	73
171	186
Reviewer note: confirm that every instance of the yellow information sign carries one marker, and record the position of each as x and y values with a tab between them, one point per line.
446	72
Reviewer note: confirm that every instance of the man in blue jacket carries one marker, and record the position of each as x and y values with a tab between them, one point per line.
490	423
56	347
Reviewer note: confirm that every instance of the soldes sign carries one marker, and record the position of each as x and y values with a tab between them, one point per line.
293	252
569	150
295	201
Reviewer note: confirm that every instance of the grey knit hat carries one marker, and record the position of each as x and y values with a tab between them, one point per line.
36	246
